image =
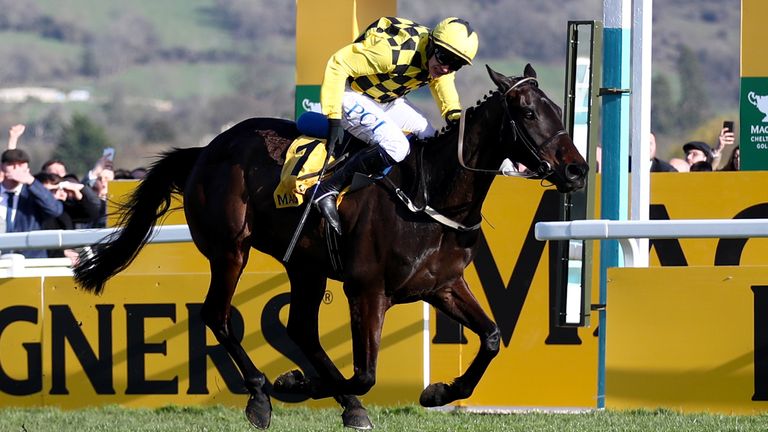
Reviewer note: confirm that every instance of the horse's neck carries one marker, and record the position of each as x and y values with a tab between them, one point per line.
450	187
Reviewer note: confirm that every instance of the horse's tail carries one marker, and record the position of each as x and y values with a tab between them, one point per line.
148	203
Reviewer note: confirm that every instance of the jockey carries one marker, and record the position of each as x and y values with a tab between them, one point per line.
363	91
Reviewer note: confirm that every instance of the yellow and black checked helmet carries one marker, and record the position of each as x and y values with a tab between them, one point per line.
456	35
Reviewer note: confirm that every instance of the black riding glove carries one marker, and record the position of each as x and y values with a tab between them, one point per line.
335	134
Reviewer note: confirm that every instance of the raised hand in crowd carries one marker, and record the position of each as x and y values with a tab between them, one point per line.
14	133
726	138
101	165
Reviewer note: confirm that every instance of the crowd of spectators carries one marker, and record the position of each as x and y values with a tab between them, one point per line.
53	198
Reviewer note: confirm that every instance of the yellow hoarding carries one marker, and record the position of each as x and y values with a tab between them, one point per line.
688	338
155	350
322	27
538	364
753	60
142	342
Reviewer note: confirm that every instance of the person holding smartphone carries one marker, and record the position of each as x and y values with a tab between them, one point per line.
700	152
726	138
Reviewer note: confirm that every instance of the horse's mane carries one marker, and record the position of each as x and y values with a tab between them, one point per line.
450	127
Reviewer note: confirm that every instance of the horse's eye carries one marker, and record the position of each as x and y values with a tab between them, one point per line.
529	114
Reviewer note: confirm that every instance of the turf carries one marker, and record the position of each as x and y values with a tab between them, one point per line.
401	419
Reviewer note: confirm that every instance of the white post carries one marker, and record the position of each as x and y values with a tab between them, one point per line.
640	108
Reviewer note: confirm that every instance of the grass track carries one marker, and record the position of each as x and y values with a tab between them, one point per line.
400	419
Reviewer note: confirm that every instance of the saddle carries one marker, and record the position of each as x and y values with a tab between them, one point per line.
304	160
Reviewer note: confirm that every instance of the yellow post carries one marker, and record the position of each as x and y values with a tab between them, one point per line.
322	27
753	136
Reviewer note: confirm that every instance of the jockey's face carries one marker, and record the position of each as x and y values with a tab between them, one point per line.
443	62
437	69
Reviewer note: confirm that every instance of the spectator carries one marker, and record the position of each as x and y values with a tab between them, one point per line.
24	202
701	166
123	174
695	151
82	203
138	173
103	164
658	165
59	188
734	162
55	166
101	187
699	151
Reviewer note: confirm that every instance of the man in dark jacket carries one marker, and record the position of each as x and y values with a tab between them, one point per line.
24	202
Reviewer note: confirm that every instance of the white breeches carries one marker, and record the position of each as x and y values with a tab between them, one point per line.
384	124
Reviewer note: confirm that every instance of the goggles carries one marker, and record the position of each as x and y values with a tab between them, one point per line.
447	58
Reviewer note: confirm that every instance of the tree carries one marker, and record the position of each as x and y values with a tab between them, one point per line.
663	112
80	144
694	104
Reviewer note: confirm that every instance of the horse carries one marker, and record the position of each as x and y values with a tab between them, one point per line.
387	254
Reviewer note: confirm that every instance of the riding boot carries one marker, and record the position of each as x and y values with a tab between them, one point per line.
371	160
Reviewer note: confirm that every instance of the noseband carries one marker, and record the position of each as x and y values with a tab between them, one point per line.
544	168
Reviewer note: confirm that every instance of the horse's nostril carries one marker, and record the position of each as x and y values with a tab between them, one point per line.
576	171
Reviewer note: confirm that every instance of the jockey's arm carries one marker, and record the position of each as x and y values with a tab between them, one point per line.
447	98
353	60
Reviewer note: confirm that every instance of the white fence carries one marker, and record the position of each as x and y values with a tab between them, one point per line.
627	231
15	265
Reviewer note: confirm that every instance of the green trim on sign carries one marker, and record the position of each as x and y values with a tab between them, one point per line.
307	99
753	127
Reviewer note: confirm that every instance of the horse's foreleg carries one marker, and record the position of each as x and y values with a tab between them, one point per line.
225	273
307	291
457	302
366	319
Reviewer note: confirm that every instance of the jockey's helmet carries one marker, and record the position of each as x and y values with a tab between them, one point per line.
456	35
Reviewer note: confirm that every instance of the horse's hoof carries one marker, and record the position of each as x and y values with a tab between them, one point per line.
434	395
259	411
290	382
356	418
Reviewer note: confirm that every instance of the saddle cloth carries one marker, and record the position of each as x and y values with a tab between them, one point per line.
303	163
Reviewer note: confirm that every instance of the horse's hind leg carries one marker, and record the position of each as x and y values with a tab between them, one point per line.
225	272
459	303
307	291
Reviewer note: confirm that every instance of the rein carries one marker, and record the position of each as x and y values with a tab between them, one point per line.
426	209
545	168
429	211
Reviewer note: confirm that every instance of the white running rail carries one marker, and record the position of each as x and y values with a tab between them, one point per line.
627	231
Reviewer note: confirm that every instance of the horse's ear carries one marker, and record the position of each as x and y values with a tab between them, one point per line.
529	72
501	81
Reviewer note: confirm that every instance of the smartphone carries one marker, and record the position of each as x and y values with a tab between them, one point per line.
728	124
109	154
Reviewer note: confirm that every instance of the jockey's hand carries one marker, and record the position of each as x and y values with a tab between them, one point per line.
335	134
452	118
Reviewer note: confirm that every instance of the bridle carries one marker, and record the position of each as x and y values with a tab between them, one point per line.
544	168
543	171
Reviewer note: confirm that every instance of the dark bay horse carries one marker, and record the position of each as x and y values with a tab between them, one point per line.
388	254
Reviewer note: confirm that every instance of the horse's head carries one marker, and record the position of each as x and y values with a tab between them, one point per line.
534	123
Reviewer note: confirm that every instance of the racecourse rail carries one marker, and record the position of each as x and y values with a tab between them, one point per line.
627	231
14	265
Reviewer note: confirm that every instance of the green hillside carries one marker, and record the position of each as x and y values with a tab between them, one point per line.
191	66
